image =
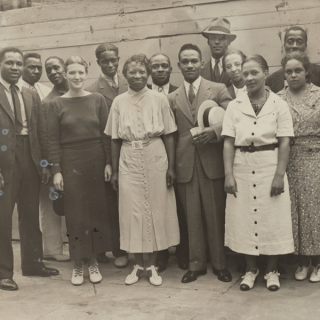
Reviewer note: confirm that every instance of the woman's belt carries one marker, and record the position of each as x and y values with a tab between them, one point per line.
140	144
253	148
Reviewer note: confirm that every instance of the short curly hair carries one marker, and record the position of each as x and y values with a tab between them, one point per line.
301	57
137	58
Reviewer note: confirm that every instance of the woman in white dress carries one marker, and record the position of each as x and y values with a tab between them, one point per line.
257	128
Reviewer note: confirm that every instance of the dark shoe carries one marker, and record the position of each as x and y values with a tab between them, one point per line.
161	265
41	272
223	275
184	265
102	258
8	284
193	275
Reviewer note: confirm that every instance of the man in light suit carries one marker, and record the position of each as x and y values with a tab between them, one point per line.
295	39
199	167
23	141
219	38
110	84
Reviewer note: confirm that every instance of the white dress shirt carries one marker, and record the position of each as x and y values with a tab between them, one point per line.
42	90
239	91
111	80
195	84
165	90
7	90
213	62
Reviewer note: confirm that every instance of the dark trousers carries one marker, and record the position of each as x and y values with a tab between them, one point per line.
114	220
22	189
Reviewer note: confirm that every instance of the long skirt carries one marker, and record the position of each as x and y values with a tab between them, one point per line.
147	207
85	203
257	223
304	179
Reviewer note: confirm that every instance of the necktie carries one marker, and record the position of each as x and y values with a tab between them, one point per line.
17	108
216	70
115	86
191	94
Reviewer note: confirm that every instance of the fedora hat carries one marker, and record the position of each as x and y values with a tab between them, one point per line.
219	26
211	115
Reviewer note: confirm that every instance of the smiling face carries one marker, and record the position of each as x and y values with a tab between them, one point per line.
11	67
295	41
55	71
160	70
233	68
190	65
254	76
76	76
32	70
108	62
295	73
218	44
137	76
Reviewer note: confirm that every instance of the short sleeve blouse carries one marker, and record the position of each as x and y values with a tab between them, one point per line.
273	121
140	116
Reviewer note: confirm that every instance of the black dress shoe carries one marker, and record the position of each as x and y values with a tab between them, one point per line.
193	275
223	275
184	265
8	284
41	272
161	265
102	258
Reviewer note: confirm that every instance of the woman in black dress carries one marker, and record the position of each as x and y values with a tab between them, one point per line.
80	155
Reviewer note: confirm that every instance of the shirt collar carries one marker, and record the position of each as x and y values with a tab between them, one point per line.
7	84
139	93
165	87
109	79
196	84
213	62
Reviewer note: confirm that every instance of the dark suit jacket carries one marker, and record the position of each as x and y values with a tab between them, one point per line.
276	80
207	74
231	91
37	131
211	153
171	87
102	86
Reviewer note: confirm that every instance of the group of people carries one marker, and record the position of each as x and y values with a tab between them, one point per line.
228	159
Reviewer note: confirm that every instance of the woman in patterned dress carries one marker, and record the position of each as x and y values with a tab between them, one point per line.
303	169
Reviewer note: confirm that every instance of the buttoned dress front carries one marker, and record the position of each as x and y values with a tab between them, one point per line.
257	223
147	207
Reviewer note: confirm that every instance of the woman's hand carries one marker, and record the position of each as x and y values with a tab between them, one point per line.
230	185
58	181
171	177
277	185
115	181
107	172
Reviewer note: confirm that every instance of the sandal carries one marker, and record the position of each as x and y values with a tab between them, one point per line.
133	277
154	278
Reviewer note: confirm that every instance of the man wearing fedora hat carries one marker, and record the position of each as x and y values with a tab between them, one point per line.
199	167
219	37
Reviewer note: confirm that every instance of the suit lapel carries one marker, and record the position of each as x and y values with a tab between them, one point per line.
231	91
203	95
106	89
123	84
206	71
5	103
27	100
182	102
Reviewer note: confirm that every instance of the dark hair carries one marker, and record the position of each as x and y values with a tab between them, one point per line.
55	57
258	59
299	56
106	47
230	52
31	55
9	49
137	58
190	46
296	28
75	60
160	54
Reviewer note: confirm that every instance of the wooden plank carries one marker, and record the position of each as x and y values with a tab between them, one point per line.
63	11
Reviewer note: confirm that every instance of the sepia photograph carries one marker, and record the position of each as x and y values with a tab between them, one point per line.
159	159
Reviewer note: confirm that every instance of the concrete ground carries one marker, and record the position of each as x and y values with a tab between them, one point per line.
205	299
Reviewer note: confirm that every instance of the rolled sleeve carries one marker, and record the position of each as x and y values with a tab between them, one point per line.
285	125
228	128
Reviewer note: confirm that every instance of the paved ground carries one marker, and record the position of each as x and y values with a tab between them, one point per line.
205	299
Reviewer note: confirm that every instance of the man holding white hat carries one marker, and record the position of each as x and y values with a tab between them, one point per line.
219	37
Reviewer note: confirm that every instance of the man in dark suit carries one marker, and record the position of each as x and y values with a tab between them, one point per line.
110	84
199	167
295	39
161	69
23	142
219	38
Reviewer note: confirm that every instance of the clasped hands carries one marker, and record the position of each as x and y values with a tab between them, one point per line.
205	136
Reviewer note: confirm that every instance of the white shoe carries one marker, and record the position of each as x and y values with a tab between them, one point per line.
94	273
133	276
154	278
302	273
121	262
248	280
273	283
315	275
77	275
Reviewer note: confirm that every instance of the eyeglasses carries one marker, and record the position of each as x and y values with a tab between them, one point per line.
217	37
